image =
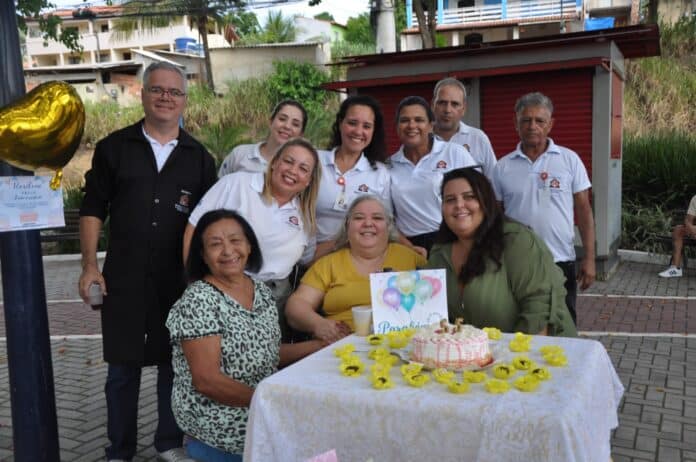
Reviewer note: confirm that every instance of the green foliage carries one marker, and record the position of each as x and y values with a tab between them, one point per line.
103	118
359	30
47	23
300	81
324	16
220	140
244	22
660	92
342	49
278	29
641	224
679	39
659	168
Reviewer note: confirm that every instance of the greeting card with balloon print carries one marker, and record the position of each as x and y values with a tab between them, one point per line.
407	299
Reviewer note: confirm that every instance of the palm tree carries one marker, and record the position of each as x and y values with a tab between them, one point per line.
162	13
279	29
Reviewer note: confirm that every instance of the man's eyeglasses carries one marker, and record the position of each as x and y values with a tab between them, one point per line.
159	91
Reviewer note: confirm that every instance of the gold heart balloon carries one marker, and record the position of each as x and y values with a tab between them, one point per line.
43	128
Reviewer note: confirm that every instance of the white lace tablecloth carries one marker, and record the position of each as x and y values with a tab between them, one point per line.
309	408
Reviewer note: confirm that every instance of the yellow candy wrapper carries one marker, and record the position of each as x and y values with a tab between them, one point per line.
556	359
346	349
540	373
503	371
522	363
443	375
375	339
411	369
416	380
458	387
474	376
496	386
526	383
351	368
493	333
382	382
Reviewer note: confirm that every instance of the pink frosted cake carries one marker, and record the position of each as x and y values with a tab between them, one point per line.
451	347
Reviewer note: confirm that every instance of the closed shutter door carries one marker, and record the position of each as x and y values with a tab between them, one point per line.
571	93
389	98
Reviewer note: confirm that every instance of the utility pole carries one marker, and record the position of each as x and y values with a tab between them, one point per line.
32	395
386	28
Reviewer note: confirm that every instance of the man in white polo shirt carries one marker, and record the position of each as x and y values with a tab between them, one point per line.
449	106
542	185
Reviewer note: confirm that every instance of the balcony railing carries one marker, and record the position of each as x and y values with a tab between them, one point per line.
508	10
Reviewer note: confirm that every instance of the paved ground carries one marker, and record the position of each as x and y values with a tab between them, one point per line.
647	324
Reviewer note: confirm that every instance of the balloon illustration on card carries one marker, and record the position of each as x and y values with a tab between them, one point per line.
407	299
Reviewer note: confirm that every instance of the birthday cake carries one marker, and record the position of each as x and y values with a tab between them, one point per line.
450	346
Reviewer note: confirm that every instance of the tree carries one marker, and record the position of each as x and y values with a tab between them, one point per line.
48	23
162	13
324	16
278	29
244	22
359	30
426	12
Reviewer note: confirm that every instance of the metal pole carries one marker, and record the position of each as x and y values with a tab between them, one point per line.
32	395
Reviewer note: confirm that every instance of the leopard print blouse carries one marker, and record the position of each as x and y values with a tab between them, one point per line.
250	343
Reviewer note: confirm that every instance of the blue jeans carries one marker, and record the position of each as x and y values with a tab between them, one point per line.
122	391
202	452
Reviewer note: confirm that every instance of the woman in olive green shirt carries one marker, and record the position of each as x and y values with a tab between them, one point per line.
499	273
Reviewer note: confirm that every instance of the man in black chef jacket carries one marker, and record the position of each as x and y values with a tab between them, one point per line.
146	179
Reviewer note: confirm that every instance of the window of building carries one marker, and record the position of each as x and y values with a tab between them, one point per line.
466	3
126	55
34	32
104	57
74	59
104	27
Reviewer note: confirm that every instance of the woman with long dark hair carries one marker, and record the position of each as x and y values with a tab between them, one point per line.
353	167
499	273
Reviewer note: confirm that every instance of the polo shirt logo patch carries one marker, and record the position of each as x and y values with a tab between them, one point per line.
183	205
294	221
555	183
441	165
363	188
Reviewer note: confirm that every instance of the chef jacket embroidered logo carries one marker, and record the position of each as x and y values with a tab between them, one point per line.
554	183
363	188
184	202
294	221
441	165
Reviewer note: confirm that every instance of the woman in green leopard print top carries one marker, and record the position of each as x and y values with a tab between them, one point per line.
225	337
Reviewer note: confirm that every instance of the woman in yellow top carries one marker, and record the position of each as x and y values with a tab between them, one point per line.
341	279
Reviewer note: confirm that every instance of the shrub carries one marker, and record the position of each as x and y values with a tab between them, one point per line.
104	118
300	81
658	168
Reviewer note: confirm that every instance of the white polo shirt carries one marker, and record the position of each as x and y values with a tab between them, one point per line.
415	189
540	194
161	151
334	198
279	230
478	145
244	158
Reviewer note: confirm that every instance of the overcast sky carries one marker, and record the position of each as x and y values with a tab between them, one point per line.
340	9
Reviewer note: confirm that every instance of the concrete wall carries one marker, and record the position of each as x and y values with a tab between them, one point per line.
241	63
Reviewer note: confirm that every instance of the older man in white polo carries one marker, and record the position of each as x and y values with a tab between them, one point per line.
449	106
544	185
